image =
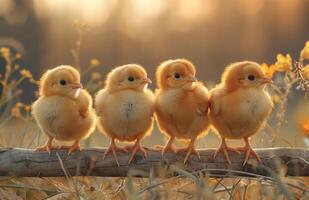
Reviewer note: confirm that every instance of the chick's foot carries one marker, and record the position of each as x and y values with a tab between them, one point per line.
114	149
190	150
46	147
71	149
134	149
168	147
224	148
75	147
247	149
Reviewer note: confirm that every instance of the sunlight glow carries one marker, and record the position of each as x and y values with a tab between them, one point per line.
138	13
48	8
95	12
250	8
193	10
7	6
145	10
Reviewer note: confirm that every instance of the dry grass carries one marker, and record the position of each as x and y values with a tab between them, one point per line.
145	188
14	115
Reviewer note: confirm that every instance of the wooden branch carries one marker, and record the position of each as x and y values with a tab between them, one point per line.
27	163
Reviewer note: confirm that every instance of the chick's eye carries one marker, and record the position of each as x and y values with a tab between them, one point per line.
130	78
62	82
251	77
177	75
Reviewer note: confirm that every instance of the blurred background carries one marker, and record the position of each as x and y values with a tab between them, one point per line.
210	33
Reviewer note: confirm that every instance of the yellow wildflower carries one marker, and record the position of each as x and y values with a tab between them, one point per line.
284	63
96	76
305	52
94	62
15	112
276	98
268	70
306	72
305	127
18	56
5	52
26	73
27	108
19	104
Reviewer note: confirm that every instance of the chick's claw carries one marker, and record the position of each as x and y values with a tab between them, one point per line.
71	149
226	155
64	147
168	147
224	148
190	150
113	148
46	147
249	151
135	148
75	147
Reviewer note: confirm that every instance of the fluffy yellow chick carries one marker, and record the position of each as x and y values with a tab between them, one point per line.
181	104
240	105
64	110
125	108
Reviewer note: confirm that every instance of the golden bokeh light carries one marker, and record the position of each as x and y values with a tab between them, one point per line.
7	6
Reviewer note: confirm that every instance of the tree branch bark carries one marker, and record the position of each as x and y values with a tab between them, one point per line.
89	162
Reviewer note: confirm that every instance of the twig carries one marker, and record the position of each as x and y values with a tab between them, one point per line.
67	176
23	162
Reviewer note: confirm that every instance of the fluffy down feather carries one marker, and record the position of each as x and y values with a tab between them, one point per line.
181	103
64	110
240	104
125	107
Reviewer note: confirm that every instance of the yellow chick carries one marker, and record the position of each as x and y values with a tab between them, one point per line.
240	105
125	108
64	110
181	104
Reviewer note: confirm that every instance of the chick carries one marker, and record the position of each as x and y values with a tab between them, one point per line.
181	104
240	105
64	110
125	108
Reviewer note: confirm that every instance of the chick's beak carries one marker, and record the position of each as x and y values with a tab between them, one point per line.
76	86
146	81
266	80
191	79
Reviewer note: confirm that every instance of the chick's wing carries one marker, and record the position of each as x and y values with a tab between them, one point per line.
201	93
215	99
